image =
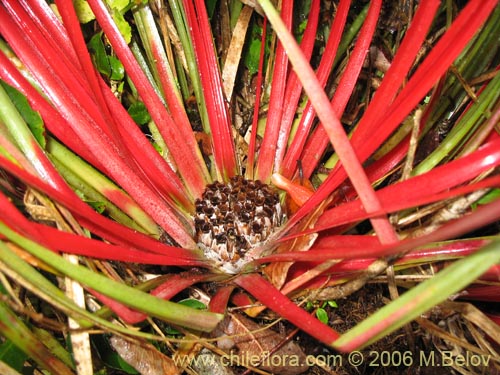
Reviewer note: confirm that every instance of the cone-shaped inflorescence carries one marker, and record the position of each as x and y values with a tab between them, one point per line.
233	218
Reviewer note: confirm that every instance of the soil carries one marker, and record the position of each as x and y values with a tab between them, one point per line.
410	350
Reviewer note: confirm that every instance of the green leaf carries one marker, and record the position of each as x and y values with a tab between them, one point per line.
122	24
31	117
83	11
117	69
169	311
252	56
85	14
322	315
120	5
139	113
210	7
494	194
332	304
12	355
17	332
303	9
101	61
54	346
420	299
109	356
108	65
194	303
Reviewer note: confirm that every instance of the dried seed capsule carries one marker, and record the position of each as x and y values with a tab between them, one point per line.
231	219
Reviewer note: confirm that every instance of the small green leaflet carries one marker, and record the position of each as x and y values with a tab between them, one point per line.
194	303
332	304
12	355
322	315
494	194
31	117
252	56
302	17
83	11
252	53
210	4
108	65
117	7
110	357
139	113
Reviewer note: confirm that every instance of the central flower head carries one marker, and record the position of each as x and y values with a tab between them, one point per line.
233	218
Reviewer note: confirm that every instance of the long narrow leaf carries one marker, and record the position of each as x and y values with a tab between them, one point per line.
171	312
64	157
419	299
482	216
15	330
332	125
319	139
166	291
218	113
308	115
38	284
180	139
453	41
294	88
91	133
265	162
431	69
420	190
276	301
25	140
90	219
125	132
74	244
250	167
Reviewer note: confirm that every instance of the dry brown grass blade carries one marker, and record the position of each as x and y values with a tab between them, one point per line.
7	370
460	340
475	316
234	51
43	209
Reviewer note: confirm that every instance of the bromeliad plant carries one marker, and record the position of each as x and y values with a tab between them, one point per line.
272	210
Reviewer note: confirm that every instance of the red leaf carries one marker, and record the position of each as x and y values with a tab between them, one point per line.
489	293
258	92
167	290
381	118
423	189
483	215
431	69
78	108
57	240
261	289
267	153
86	216
294	88
308	115
178	136
220	122
319	140
218	303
